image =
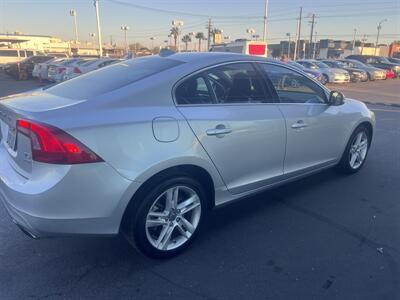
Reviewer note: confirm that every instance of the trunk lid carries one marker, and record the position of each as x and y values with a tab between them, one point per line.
24	106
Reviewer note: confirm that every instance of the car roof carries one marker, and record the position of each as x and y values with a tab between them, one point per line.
212	56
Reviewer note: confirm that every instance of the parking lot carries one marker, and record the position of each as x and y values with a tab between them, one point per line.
325	237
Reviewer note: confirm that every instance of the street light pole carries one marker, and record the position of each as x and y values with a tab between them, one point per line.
72	13
354	41
96	5
288	51
125	29
377	36
265	21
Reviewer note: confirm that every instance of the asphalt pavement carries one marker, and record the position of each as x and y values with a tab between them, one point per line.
328	236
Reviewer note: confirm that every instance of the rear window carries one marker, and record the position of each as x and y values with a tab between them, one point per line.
112	77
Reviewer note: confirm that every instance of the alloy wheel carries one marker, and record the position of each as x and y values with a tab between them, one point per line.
173	218
358	150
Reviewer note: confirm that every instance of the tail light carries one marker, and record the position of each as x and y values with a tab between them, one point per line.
77	70
60	70
54	146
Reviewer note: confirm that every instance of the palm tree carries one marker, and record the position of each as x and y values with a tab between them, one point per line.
186	39
200	36
175	33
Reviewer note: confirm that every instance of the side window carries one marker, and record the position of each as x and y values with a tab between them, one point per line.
29	53
22	53
237	83
193	91
293	87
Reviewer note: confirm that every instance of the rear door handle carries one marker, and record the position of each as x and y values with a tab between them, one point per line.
219	130
299	124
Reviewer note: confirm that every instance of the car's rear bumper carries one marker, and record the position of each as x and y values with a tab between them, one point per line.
87	199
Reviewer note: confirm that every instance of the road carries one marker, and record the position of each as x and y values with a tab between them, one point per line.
325	237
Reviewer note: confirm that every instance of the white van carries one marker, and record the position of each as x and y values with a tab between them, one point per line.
244	47
14	55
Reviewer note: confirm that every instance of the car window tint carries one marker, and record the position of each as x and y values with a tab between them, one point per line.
293	87
237	83
193	91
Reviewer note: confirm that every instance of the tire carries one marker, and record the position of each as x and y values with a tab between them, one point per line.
356	152
324	79
153	219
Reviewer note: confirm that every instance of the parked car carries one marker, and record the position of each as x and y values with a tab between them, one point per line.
356	75
329	75
377	61
86	67
56	71
10	56
373	73
40	70
148	146
313	73
23	70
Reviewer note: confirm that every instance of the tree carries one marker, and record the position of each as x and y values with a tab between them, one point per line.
200	36
276	52
186	39
175	33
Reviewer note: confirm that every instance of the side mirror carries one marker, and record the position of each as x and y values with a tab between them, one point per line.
336	98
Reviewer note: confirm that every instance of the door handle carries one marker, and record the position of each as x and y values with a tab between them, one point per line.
299	124
219	130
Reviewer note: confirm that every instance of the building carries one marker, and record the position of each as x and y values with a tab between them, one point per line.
41	43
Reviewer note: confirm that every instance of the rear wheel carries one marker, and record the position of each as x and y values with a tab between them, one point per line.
356	151
169	217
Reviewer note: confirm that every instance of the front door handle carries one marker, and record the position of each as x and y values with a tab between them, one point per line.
299	124
219	130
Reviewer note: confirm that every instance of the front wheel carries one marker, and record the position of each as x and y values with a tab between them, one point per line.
356	151
169	217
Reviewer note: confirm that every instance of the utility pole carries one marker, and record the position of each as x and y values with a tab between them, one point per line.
315	45
209	25
96	5
377	36
311	35
354	41
265	21
297	46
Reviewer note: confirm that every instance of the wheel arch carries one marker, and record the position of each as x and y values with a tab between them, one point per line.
191	170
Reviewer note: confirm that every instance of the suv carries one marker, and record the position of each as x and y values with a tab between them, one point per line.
23	70
378	62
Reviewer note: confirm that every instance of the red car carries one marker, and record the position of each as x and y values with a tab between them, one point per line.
390	74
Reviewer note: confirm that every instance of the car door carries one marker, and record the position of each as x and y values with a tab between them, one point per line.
235	119
316	131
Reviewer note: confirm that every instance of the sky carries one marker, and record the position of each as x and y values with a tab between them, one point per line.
335	19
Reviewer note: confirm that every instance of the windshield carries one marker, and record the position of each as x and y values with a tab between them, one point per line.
296	65
112	77
383	60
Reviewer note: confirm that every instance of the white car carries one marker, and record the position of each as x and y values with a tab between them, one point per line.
86	66
41	69
56	71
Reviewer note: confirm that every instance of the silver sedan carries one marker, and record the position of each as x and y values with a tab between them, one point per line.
148	146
